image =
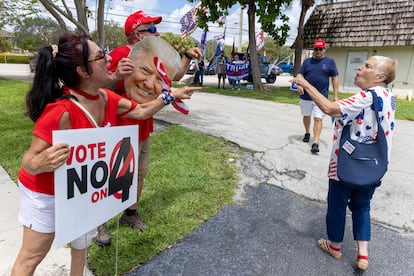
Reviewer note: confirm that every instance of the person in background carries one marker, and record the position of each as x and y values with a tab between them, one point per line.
233	82
138	25
357	111
201	69
316	70
68	76
221	69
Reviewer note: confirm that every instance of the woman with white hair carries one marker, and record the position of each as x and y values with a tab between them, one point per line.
357	112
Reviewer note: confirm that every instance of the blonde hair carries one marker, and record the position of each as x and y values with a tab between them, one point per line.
386	66
156	46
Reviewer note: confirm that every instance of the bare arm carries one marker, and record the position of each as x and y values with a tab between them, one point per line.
146	110
42	157
328	107
335	86
185	61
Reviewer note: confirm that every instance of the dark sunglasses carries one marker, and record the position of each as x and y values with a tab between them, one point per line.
318	49
102	56
151	30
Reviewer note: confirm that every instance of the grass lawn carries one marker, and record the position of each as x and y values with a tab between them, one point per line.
191	177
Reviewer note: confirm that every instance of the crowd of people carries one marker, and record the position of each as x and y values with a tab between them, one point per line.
133	82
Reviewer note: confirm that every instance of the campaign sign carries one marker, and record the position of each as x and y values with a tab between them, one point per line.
97	182
237	70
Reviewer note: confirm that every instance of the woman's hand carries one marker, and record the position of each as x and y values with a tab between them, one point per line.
194	53
45	160
300	83
125	68
184	92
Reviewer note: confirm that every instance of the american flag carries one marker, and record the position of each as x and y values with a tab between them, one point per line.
203	43
221	20
189	21
221	36
260	40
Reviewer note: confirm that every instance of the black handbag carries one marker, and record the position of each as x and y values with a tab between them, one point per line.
363	164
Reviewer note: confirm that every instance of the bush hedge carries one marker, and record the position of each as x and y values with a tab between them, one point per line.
15	59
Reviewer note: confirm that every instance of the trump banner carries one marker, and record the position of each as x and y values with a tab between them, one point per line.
237	70
98	181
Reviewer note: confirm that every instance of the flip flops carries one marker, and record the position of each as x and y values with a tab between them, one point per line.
328	248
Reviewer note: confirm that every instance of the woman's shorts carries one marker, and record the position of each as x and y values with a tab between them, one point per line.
37	212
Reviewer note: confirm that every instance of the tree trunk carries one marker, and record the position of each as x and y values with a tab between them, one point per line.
100	23
254	62
81	15
299	39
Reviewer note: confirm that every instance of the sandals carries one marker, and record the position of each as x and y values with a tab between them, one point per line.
362	262
328	248
325	245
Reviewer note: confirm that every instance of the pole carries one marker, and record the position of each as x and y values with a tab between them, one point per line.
240	30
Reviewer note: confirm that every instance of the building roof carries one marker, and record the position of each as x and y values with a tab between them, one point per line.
6	34
369	23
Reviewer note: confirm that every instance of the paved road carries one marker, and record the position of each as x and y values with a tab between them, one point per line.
274	231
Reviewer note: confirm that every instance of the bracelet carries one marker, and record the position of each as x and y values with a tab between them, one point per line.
167	98
188	56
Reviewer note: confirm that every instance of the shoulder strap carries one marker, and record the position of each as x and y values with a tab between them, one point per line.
375	103
86	112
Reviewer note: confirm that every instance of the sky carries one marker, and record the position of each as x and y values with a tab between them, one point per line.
172	12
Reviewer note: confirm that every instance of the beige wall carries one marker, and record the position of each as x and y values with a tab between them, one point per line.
404	81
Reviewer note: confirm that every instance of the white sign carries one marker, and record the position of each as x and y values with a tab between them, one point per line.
355	60
98	181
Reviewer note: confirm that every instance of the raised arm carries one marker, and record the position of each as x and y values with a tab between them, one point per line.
143	111
328	107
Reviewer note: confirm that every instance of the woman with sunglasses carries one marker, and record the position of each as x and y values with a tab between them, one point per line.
68	77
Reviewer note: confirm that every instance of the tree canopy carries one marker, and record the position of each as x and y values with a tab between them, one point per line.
266	12
34	33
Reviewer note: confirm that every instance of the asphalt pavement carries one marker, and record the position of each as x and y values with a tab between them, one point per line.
280	209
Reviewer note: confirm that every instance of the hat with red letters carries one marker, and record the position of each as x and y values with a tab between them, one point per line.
137	19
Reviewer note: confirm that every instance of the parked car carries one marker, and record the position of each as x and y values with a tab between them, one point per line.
268	70
285	66
192	67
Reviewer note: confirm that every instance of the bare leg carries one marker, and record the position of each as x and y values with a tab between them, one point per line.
306	123
139	192
77	266
362	248
34	248
317	129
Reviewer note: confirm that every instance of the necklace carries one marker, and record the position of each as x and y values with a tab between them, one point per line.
86	95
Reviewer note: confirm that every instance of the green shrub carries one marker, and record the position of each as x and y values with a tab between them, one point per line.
15	59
